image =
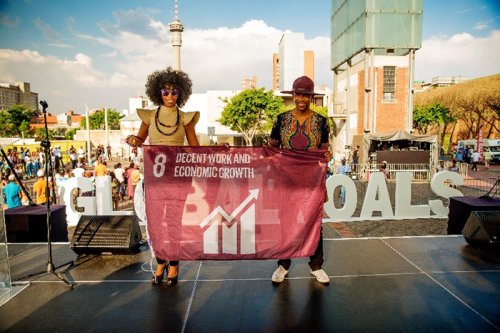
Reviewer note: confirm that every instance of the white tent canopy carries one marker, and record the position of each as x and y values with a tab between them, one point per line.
396	136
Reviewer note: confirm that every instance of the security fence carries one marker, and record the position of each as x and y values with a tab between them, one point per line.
421	172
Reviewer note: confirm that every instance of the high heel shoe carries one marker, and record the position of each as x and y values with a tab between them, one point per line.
172	280
158	278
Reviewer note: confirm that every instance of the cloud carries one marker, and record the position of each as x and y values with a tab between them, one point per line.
133	21
464	11
482	25
48	32
65	83
60	45
461	54
8	22
215	59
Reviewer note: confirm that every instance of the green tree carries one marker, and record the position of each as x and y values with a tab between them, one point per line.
40	133
323	110
251	112
12	119
474	103
24	128
432	119
96	120
70	135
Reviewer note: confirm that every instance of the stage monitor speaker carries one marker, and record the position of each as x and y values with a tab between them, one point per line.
96	234
483	228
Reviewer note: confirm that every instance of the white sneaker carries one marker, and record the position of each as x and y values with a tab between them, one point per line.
321	276
279	274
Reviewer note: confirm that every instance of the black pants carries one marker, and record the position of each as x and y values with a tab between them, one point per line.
171	263
315	261
474	166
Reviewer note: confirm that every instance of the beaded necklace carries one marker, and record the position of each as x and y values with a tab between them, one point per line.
158	122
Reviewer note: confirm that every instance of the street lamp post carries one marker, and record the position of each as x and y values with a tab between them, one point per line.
88	132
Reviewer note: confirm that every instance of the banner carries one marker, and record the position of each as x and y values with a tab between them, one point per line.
233	203
480	145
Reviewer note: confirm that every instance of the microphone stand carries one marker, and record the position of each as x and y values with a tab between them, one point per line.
495	188
48	167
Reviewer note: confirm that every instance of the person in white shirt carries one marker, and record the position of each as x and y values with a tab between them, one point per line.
73	159
440	166
119	171
475	160
81	153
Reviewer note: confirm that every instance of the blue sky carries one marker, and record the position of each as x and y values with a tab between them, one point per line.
100	52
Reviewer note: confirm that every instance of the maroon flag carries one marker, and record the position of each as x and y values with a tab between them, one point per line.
233	203
480	140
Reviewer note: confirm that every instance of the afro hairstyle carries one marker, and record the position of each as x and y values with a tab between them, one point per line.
158	79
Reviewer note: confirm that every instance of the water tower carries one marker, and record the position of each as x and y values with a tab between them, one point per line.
373	44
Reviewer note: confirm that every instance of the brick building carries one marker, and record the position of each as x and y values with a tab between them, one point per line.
373	61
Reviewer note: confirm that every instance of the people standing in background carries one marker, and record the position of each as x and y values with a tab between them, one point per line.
28	164
440	167
119	172
475	160
22	155
331	167
453	167
343	169
100	169
39	188
130	187
135	175
487	158
35	164
355	158
12	193
108	152
384	170
80	153
73	158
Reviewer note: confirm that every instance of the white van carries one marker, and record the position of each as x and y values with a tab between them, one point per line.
494	146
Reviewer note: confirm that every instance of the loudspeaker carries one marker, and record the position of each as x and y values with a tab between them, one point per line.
483	228
28	224
95	234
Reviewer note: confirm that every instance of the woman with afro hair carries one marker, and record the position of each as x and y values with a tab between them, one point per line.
166	125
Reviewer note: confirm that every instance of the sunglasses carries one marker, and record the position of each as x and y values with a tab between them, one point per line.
166	92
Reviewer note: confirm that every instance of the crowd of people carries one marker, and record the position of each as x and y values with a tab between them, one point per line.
470	156
29	166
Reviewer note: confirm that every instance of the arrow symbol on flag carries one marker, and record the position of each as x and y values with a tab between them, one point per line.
254	194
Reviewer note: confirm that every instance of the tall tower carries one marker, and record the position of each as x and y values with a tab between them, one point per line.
176	28
292	61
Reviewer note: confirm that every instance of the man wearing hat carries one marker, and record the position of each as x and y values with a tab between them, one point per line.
39	188
12	193
302	129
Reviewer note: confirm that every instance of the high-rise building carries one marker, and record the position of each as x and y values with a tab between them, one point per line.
445	81
18	93
292	61
309	64
276	71
249	83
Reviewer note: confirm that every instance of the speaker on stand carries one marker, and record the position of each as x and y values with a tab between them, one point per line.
96	234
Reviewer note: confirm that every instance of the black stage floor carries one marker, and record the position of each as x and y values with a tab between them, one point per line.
410	284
